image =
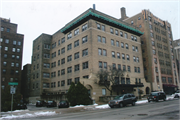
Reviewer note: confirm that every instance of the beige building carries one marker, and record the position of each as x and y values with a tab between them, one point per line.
176	46
90	42
160	66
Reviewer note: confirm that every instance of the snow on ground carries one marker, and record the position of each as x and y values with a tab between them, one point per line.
81	105
28	115
16	111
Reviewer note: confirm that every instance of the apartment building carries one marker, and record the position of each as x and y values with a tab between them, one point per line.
160	67
90	42
176	46
11	46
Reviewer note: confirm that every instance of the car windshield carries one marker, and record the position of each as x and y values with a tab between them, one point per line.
50	101
153	94
63	102
118	97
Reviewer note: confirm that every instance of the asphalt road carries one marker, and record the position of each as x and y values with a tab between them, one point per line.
162	110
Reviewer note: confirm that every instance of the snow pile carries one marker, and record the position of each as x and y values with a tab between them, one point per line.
102	106
28	115
16	111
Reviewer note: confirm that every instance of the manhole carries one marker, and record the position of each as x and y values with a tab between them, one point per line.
142	114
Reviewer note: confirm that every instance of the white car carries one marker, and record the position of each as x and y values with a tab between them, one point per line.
176	94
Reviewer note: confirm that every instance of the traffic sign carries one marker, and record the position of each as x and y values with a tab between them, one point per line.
12	83
12	90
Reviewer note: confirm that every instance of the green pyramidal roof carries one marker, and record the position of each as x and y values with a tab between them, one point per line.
100	18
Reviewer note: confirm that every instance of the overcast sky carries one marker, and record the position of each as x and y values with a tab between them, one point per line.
36	17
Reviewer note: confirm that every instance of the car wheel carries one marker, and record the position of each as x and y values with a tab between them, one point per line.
164	99
112	106
149	101
133	103
121	105
157	100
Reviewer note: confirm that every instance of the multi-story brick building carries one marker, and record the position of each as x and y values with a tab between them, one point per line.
11	46
25	81
160	67
90	42
176	46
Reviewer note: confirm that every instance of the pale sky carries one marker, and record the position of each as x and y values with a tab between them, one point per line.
35	17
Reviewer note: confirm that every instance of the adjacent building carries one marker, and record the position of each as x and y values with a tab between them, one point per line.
11	46
176	46
160	67
90	42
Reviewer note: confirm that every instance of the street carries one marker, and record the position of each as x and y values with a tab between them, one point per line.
165	110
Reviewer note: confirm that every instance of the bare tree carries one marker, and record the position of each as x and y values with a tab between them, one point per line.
109	77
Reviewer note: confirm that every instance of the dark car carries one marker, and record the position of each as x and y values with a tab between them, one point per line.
156	96
123	100
63	104
51	103
40	103
21	105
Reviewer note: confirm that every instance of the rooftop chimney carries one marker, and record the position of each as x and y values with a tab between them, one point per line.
123	13
94	7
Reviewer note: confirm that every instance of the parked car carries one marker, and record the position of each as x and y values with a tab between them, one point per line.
63	104
21	105
51	103
40	103
176	94
123	100
156	96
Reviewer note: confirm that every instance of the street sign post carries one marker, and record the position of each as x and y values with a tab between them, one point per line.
13	90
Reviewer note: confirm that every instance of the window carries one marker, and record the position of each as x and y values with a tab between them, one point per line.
121	34
4	70
76	32
69	35
123	56
114	66
134	58
5	55
118	55
69	47
99	38
103	91
85	52
59	52
85	65
98	26
127	56
69	81
104	53
1	40
63	40
154	52
127	46
132	22
8	30
129	68
152	35
156	69
6	48
13	49
19	43
124	68
18	50
2	29
62	61
62	71
84	39
135	39
105	65
103	40
99	51
69	58
117	43
4	63
69	69
46	65
100	64
76	43
132	37
13	56
46	46
112	42
140	26
17	64
116	32
119	66
122	45
136	49
16	71
164	79
7	41
113	54
111	30
63	50
133	48
137	59
59	42
139	18
12	64
58	72
103	28
153	44
76	67
46	75
62	82
76	55
126	36
76	80
84	27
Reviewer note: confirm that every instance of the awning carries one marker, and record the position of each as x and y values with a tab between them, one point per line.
169	85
